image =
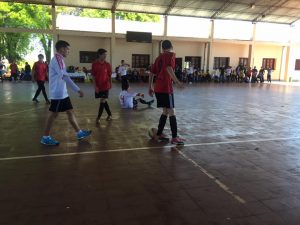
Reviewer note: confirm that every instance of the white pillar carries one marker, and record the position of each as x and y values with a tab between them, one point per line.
210	59
54	31
113	39
251	54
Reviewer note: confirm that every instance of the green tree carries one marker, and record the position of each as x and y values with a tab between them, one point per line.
98	13
14	46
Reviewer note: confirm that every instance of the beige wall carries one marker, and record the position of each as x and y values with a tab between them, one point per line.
188	48
79	43
234	51
268	51
124	50
295	54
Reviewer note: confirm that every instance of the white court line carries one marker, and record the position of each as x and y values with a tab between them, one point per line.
223	186
26	110
143	148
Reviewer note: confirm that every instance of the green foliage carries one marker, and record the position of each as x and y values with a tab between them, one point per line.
98	13
14	46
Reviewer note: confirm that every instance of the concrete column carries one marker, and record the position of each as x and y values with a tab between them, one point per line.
210	59
282	63
251	53
113	39
54	31
165	26
287	64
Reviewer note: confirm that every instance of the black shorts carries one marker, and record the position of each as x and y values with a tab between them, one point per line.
60	105
165	100
101	94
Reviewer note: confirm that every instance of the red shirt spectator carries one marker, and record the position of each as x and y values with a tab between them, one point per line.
40	69
101	71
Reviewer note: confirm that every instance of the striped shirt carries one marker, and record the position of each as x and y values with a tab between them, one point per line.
57	86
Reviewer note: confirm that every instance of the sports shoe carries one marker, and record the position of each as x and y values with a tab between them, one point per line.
177	141
83	134
49	141
108	118
35	100
162	137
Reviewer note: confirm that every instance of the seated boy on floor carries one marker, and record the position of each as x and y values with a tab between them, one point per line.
130	100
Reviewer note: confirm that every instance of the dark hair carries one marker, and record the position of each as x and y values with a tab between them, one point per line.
101	51
166	44
61	44
125	86
122	61
40	55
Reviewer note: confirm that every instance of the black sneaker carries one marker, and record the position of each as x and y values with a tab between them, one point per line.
35	100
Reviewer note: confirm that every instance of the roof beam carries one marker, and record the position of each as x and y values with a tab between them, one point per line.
221	9
115	5
269	10
171	6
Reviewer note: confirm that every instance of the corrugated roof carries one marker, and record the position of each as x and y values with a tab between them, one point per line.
275	11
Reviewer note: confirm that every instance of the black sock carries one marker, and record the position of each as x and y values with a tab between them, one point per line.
101	108
106	106
173	124
143	101
162	123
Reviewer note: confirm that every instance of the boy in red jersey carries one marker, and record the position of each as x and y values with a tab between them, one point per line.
101	72
39	74
14	71
163	68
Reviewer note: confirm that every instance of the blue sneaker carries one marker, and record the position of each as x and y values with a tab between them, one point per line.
49	141
83	134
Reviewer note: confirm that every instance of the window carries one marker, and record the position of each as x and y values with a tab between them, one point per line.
243	61
87	57
140	61
297	64
195	60
269	63
221	61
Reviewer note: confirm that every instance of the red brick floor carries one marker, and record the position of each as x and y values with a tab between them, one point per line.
240	164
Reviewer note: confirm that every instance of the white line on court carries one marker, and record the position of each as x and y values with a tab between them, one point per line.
223	186
26	110
144	148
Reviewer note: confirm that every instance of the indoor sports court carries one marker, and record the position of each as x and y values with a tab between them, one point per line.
240	162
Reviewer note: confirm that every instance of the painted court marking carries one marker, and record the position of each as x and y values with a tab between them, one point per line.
142	148
220	184
223	186
26	110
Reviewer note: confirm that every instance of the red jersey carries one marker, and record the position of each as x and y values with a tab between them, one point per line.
163	83
101	71
40	70
13	68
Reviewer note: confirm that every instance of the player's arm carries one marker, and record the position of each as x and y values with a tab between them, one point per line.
151	90
33	73
61	72
173	76
94	79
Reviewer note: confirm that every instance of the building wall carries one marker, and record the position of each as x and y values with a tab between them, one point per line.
233	51
268	51
188	48
124	50
294	54
79	43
